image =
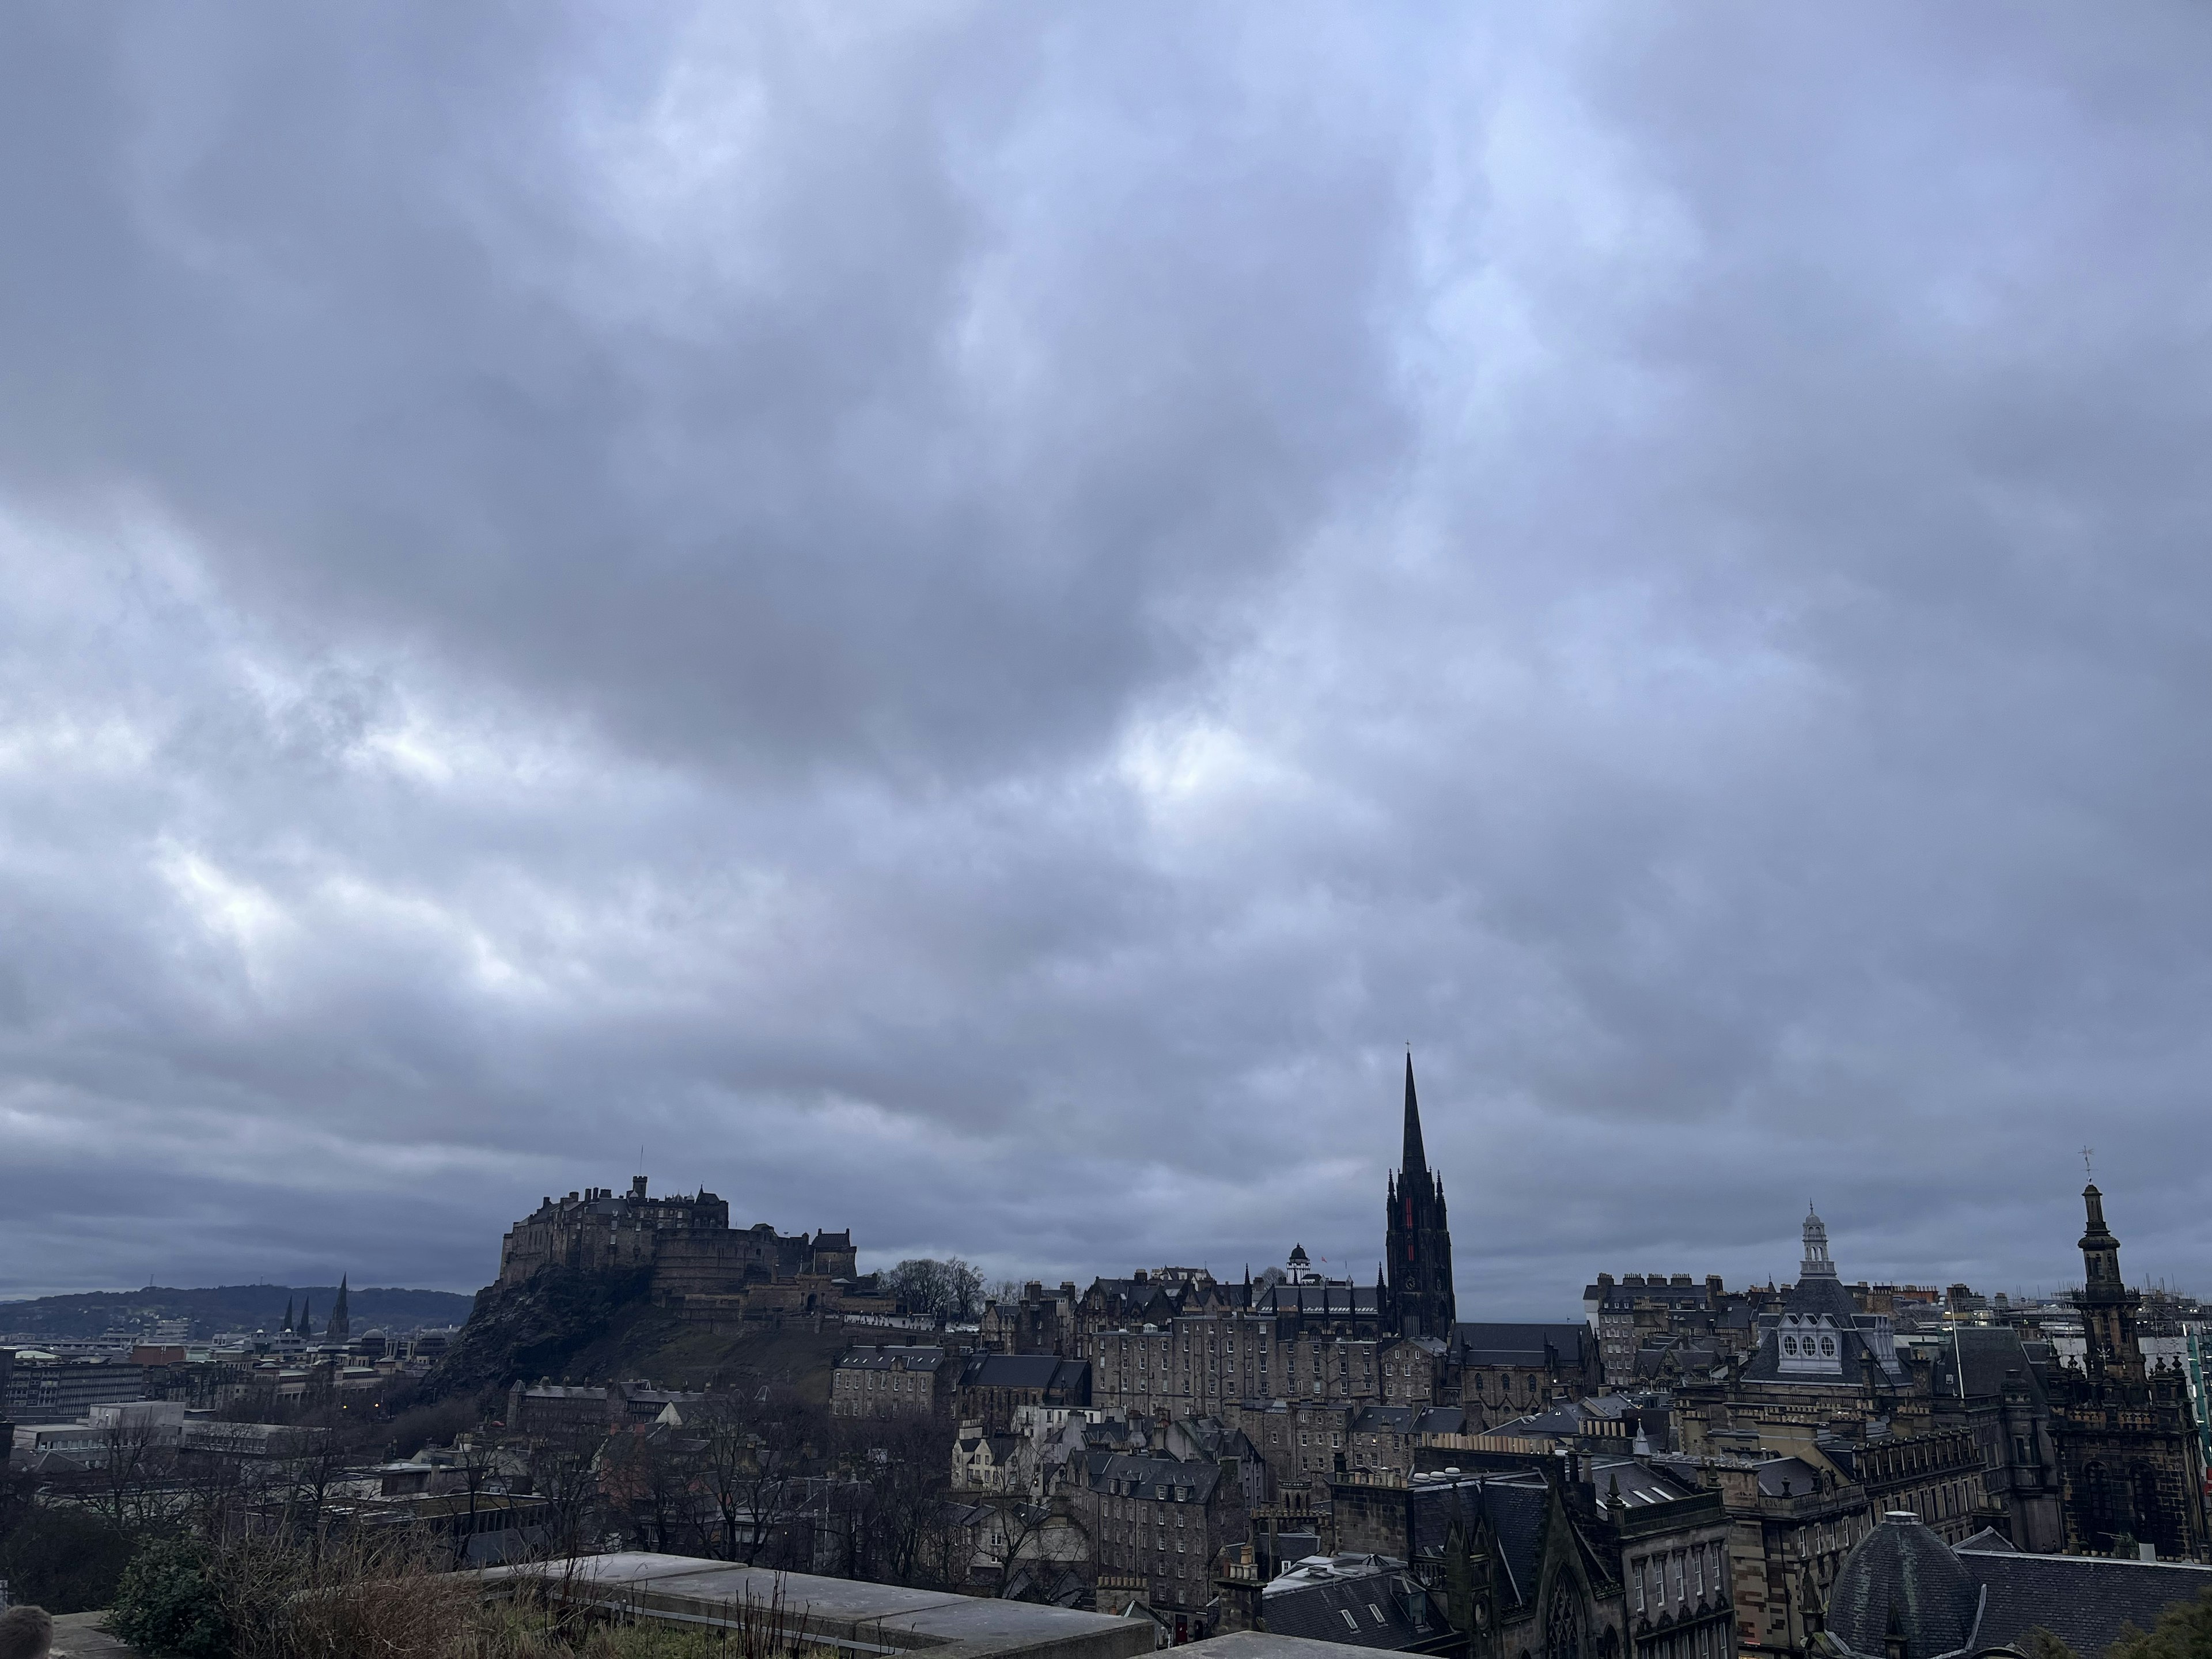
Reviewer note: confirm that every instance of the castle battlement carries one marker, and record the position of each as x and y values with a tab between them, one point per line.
699	1263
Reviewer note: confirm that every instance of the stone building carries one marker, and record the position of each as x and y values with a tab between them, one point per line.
707	1272
991	1388
1037	1322
1162	1522
1306	1337
2131	1468
1538	1556
885	1381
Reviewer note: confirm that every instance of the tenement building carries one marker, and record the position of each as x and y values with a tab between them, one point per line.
2129	1466
883	1383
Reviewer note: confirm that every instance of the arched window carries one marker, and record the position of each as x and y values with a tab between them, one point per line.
1563	1626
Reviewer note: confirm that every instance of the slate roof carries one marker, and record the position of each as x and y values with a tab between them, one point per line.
1561	1420
1319	1301
1024	1371
1984	1354
1484	1343
1986	1593
1441	1419
1638	1482
1792	1477
1379	1606
1515	1512
886	1358
2082	1600
1161	1478
1902	1579
1384	1419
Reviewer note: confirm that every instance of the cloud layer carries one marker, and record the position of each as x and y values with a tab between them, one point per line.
960	622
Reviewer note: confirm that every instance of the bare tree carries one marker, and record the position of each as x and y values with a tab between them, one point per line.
564	1473
951	1289
755	1445
134	1483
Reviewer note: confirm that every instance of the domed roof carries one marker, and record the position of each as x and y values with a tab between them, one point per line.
1901	1580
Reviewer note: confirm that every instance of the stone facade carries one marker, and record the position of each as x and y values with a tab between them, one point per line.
708	1272
885	1381
1160	1522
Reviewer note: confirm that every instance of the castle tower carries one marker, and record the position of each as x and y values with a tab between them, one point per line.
1417	1238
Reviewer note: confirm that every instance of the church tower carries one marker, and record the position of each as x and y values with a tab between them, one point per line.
1417	1240
2129	1470
2108	1307
341	1326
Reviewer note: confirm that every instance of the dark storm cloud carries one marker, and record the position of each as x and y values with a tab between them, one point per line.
959	624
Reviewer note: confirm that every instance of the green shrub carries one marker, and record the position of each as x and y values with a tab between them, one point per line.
168	1602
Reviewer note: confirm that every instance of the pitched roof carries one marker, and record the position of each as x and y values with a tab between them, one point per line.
1902	1578
1384	1419
889	1358
1163	1479
1978	1359
1022	1370
2082	1600
1515	1514
1485	1343
1377	1609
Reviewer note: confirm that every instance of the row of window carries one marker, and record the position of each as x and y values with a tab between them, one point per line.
1691	1571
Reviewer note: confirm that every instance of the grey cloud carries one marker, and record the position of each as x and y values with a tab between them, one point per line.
961	626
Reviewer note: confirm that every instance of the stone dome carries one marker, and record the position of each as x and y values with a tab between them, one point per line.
1902	1581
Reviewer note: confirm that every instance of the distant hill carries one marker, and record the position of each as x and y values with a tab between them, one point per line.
228	1308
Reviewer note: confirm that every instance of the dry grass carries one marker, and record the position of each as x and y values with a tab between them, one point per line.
531	1624
360	1600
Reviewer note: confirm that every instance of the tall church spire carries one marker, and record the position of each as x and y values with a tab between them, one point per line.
1416	1239
1416	1158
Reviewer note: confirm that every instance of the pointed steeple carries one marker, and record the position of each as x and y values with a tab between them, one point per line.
307	1317
1416	1158
341	1326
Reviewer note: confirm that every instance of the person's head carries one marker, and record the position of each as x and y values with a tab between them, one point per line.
26	1633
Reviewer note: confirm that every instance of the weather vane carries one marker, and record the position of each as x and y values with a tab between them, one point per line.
2086	1169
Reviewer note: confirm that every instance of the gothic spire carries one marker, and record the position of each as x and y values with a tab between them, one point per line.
1416	1159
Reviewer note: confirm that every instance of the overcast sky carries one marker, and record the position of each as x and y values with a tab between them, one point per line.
960	622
